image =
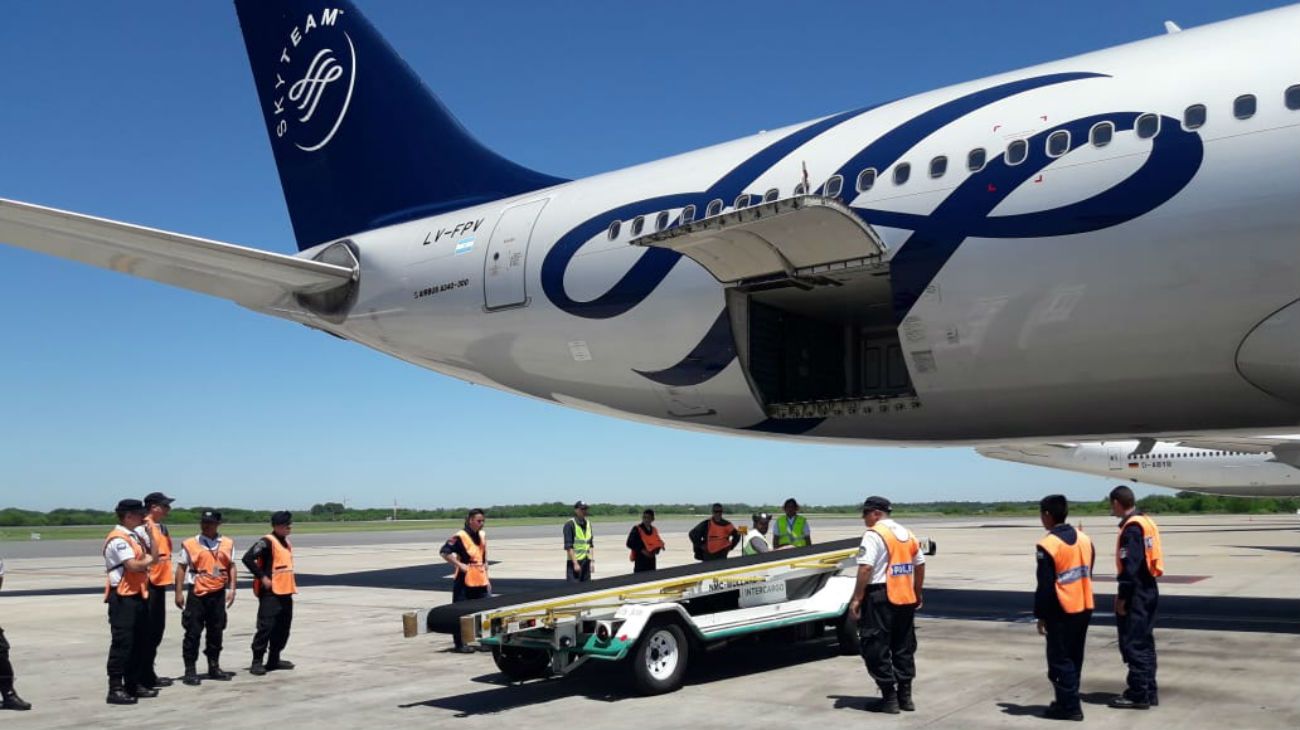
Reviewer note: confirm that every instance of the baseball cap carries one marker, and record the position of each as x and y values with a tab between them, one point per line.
130	505
879	503
580	505
762	517
210	515
153	498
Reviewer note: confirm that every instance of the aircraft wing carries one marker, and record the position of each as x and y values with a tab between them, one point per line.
260	280
1245	444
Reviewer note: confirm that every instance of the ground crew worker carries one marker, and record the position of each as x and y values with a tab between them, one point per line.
159	543
1063	603
466	551
126	591
644	543
579	546
714	537
792	530
1139	561
9	699
270	561
755	541
891	571
205	570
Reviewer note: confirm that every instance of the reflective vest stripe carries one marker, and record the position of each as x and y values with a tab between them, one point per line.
581	540
161	572
1155	557
786	536
476	576
281	568
899	583
211	566
1073	568
132	584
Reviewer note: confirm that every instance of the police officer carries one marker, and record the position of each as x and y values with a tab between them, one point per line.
792	530
270	561
1139	561
466	551
644	543
579	546
158	541
755	541
891	571
715	537
1063	603
126	591
205	570
9	699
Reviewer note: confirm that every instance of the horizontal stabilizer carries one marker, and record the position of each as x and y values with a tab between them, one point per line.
260	280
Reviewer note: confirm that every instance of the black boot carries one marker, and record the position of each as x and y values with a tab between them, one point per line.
888	702
215	671
117	694
258	669
905	697
11	699
140	691
191	677
277	663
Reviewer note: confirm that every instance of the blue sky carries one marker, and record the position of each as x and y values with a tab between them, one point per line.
112	386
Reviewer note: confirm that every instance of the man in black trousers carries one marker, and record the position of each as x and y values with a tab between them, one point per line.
270	561
9	699
1063	603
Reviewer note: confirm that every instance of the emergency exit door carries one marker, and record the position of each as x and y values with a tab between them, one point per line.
507	257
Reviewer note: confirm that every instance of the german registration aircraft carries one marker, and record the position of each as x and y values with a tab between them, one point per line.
1100	247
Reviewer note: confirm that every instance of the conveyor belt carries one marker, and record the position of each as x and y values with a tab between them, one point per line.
446	619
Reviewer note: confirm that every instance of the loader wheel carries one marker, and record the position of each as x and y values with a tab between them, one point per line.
659	663
519	663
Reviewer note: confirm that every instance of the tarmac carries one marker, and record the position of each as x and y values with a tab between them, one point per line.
1228	640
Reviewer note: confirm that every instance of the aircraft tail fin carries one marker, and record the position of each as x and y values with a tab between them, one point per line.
359	140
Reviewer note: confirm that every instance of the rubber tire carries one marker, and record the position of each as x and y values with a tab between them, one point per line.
519	663
647	683
846	633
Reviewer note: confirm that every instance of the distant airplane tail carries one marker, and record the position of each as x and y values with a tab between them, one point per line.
359	140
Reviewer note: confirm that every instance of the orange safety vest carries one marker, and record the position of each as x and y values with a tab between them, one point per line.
161	572
899	587
476	576
282	583
652	542
1073	571
211	567
1150	539
132	584
719	539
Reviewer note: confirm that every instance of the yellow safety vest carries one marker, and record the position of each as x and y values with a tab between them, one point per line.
581	540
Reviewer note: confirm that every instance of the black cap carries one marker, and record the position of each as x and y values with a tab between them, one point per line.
762	517
879	503
153	498
130	505
211	515
580	505
283	517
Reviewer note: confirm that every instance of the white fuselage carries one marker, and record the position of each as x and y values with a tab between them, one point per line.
1036	318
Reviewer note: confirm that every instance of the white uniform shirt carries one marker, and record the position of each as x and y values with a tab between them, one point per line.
117	552
182	556
872	551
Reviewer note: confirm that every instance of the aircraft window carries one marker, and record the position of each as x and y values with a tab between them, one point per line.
1058	143
771	195
1194	116
688	214
798	190
834	186
638	225
1101	134
938	166
715	207
661	221
1148	125
976	159
614	228
1293	97
902	171
866	179
1017	151
742	201
1243	107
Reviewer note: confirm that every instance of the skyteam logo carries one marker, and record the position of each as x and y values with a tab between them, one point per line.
314	78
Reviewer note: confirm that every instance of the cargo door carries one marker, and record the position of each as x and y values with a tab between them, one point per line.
507	257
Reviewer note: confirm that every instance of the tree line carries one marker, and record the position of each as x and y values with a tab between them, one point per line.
1180	503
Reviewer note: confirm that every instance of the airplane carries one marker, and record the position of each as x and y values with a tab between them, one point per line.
1089	249
1261	466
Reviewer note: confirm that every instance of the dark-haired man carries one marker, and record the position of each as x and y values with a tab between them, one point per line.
158	541
644	543
205	568
466	551
126	590
715	537
270	561
579	546
1063	603
1139	561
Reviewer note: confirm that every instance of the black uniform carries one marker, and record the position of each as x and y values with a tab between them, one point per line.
1067	633
203	616
156	613
6	669
1137	587
641	563
460	591
274	612
128	621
